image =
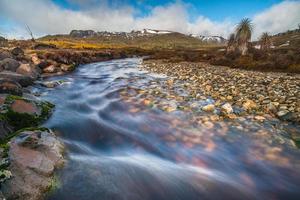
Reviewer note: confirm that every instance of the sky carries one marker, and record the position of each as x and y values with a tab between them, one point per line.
204	17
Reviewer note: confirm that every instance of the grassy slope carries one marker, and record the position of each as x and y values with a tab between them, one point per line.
165	41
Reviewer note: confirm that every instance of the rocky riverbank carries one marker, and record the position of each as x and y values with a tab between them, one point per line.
29	154
250	92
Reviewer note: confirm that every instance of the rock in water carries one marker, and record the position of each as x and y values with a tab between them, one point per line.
226	109
50	69
19	78
67	68
249	105
209	108
34	155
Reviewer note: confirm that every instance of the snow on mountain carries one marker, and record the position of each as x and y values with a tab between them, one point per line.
215	39
151	31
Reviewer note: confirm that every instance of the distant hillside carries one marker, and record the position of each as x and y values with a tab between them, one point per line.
146	39
286	40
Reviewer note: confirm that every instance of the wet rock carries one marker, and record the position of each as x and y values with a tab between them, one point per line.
9	64
22	106
67	68
226	109
10	87
52	84
209	108
17	51
259	118
28	70
50	69
20	112
19	78
34	156
287	115
282	113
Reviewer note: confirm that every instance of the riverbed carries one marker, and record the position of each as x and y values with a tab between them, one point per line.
121	146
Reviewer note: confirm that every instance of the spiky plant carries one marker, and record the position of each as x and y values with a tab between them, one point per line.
243	35
265	41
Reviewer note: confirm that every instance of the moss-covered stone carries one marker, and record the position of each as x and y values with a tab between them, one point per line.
21	120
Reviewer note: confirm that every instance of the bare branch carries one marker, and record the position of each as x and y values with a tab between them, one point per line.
30	33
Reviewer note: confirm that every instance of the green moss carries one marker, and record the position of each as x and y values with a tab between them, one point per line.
5	147
11	98
47	108
9	137
54	184
23	120
72	68
297	142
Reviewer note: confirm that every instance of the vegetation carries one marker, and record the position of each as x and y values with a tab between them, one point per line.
164	41
243	35
265	41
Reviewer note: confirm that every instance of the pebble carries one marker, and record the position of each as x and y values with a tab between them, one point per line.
209	108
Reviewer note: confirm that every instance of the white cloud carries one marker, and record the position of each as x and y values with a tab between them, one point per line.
278	18
45	17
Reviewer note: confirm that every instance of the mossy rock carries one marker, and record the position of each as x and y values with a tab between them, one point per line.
21	120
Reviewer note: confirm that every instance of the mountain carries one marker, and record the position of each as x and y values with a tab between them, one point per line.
91	33
142	33
210	39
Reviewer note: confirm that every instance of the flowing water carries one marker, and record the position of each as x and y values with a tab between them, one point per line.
118	148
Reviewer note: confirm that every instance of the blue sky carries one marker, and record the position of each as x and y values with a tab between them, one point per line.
207	17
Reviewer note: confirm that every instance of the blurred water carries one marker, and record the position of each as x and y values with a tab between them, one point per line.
118	149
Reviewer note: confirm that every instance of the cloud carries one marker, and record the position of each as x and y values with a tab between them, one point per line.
45	17
278	18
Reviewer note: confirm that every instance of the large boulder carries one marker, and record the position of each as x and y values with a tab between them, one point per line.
8	86
34	156
5	54
19	78
17	51
9	64
21	113
29	70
